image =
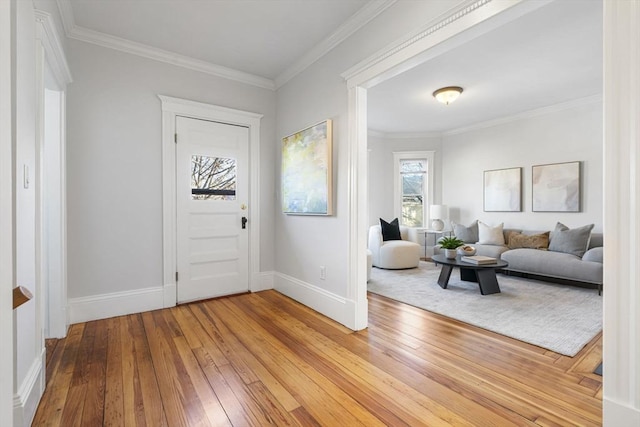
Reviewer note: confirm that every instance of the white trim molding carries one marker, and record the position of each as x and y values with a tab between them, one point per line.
455	27
104	306
361	18
7	210
145	51
264	281
550	109
54	53
331	305
621	343
171	108
401	56
26	400
350	26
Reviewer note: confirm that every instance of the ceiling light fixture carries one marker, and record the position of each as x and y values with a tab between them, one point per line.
448	94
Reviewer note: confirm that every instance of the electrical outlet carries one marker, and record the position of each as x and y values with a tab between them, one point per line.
323	272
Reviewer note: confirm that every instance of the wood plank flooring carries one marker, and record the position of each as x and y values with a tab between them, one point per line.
263	359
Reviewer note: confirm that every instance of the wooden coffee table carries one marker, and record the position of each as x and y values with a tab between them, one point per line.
484	275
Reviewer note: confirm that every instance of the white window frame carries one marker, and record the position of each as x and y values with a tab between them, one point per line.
428	191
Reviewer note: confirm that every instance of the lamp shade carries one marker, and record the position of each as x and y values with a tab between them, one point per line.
447	95
438	211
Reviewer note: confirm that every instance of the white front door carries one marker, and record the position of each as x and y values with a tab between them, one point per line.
212	190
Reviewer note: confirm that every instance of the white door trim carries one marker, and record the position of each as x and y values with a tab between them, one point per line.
621	400
172	107
7	245
51	56
460	25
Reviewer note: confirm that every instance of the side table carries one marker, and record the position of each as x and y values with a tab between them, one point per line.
436	235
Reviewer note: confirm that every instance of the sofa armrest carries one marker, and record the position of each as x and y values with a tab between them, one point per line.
594	255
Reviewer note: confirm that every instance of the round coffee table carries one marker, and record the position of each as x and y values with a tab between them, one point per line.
483	274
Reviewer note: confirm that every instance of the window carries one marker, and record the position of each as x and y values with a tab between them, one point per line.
413	190
213	178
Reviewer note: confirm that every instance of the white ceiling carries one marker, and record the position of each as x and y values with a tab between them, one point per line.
259	37
549	56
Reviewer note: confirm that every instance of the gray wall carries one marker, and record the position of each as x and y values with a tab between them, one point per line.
114	164
563	136
303	244
381	169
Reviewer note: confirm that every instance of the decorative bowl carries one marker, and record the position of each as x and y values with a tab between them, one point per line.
466	250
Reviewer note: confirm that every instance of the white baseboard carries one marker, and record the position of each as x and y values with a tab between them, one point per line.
25	402
170	292
263	281
103	306
618	415
331	305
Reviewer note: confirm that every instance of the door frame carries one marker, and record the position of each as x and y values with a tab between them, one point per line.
7	245
171	108
51	60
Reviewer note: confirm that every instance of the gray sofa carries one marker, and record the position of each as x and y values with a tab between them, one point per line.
548	264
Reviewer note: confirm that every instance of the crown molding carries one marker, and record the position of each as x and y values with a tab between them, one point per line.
550	109
139	49
66	14
403	135
433	26
353	24
361	18
54	52
593	99
76	32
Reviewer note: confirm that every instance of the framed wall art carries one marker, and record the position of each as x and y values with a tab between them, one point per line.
503	190
556	187
306	171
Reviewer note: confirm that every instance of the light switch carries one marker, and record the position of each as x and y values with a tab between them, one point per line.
26	176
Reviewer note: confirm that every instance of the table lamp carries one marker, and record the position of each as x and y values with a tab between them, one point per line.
437	213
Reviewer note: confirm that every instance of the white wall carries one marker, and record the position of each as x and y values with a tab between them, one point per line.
303	243
573	134
114	164
381	169
29	342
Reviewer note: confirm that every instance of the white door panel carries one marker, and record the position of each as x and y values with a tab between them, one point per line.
212	245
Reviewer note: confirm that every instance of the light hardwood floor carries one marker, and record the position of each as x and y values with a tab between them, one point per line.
263	359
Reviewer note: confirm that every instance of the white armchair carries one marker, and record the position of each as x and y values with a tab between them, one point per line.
393	254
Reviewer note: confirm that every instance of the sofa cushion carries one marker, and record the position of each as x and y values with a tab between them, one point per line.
573	241
494	251
390	230
534	241
553	264
488	235
466	234
594	255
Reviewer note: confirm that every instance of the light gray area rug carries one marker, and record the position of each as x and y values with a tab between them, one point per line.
560	318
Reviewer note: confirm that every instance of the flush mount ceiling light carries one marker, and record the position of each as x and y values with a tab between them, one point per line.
448	94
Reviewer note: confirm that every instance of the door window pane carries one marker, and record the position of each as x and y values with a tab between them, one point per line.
213	178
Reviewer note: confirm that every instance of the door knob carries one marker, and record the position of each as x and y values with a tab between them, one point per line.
244	222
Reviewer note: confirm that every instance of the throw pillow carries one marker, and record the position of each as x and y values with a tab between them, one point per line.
534	241
573	241
488	235
390	230
466	234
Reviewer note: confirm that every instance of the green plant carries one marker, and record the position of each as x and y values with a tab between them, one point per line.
450	242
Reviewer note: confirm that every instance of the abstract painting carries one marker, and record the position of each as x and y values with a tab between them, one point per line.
556	187
502	190
306	171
